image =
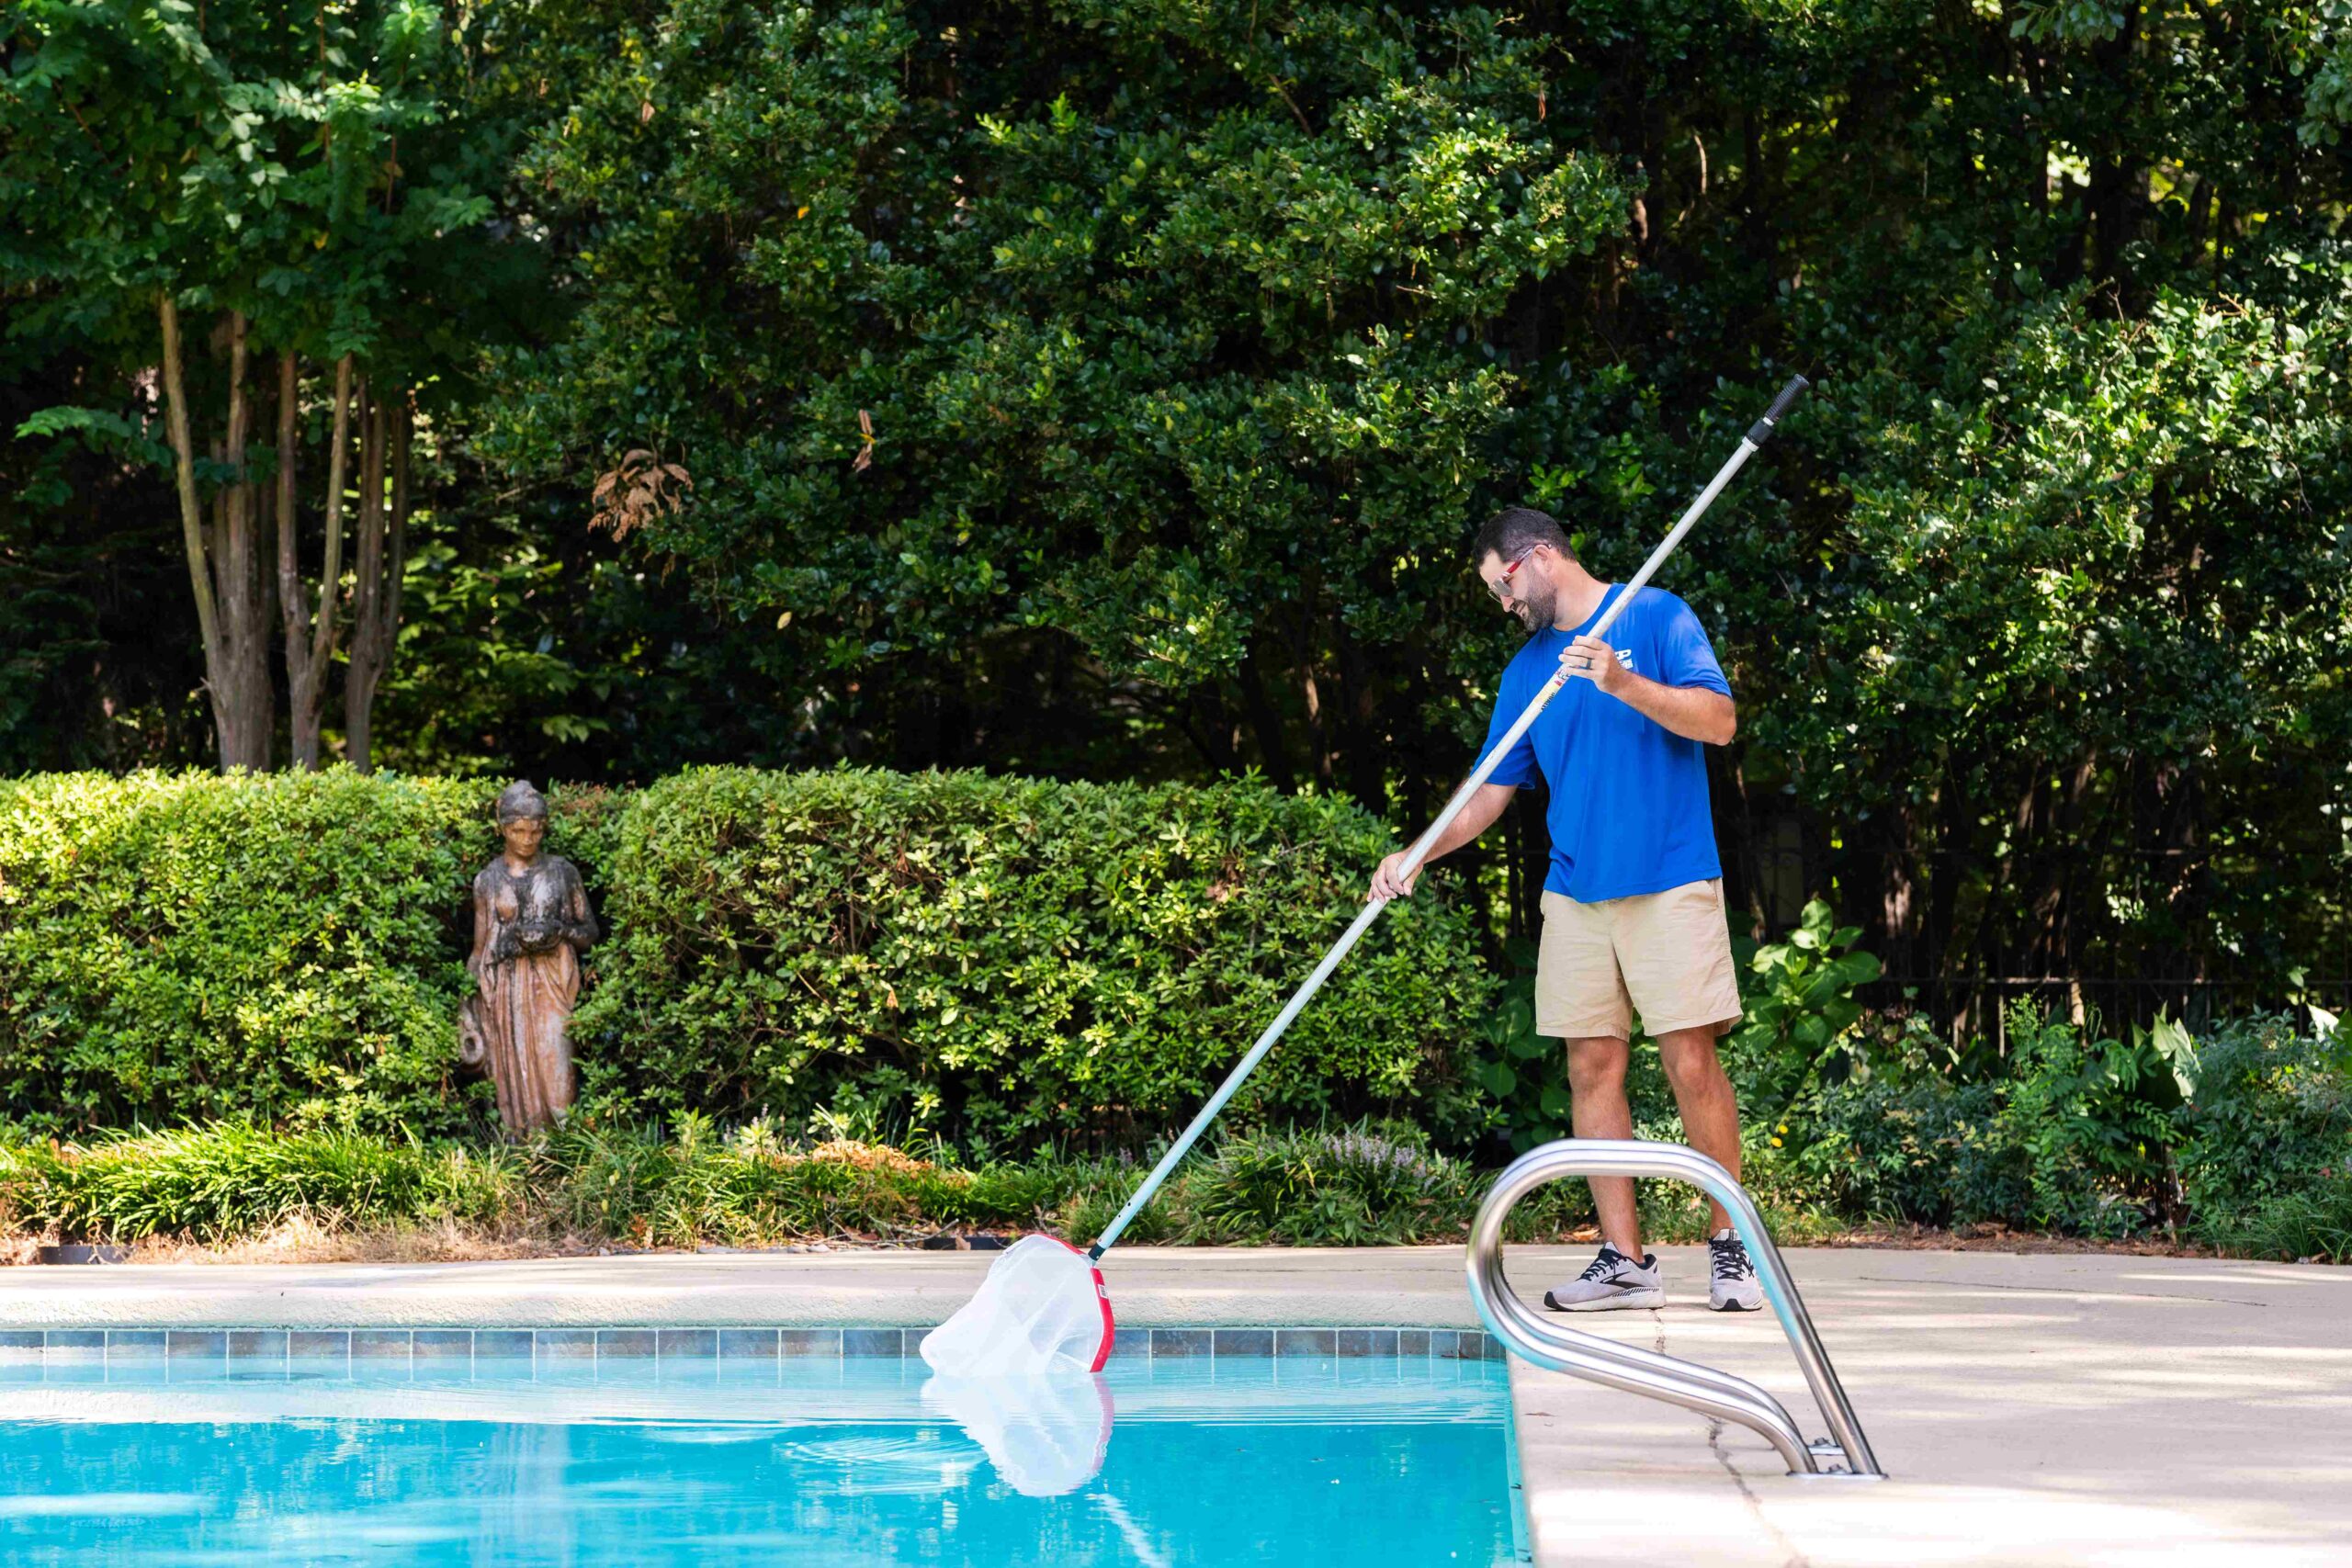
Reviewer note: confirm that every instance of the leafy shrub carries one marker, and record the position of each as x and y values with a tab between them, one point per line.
2311	1221
696	1186
1523	1074
2095	1137
1797	1005
691	1185
1011	962
1099	1186
2074	1139
2095	1120
285	947
1907	1143
234	1179
2271	1108
1001	960
1354	1187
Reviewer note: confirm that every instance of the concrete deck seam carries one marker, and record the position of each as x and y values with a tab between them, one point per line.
1790	1556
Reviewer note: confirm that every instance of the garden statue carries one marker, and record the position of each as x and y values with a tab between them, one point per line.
531	924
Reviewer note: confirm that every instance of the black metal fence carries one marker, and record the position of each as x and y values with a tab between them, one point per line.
1955	960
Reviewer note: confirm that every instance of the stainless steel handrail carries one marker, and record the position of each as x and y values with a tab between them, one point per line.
1551	1343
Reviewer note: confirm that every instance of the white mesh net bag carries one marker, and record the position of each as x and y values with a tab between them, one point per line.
1042	1309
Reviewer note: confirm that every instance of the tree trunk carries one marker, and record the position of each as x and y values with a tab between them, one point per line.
191	511
223	569
1266	723
1354	716
310	637
383	558
243	615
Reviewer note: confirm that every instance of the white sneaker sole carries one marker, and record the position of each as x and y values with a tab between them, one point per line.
1629	1301
1743	1302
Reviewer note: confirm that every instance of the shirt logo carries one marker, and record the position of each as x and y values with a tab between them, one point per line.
1626	656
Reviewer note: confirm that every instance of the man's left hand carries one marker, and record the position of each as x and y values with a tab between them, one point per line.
1589	658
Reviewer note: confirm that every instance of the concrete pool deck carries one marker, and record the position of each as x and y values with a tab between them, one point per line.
2045	1410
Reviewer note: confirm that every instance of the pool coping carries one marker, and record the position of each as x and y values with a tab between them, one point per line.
1149	1288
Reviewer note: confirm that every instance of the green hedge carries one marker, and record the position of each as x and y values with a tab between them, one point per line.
1003	961
1011	962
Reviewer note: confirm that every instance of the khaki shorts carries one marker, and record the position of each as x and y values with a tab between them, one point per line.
1666	954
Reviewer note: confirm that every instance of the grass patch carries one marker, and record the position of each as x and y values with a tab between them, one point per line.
2311	1224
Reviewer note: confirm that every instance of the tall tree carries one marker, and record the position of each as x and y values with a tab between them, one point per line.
1141	366
308	181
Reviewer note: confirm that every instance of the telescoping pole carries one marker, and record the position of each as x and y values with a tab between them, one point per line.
1757	433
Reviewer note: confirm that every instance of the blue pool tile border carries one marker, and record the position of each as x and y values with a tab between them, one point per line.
576	1343
243	1351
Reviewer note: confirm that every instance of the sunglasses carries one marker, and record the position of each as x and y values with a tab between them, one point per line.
1501	588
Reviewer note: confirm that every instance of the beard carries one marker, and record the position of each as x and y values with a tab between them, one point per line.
1535	611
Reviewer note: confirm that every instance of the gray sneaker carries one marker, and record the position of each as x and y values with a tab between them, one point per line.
1733	1287
1611	1282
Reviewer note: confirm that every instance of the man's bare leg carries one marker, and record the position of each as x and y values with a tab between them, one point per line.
1703	1093
1599	1110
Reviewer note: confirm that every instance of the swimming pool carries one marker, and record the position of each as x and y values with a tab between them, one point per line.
633	1447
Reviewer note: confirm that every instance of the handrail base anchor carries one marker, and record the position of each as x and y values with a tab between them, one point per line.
1833	1464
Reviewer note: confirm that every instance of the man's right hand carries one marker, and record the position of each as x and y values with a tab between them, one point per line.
1389	881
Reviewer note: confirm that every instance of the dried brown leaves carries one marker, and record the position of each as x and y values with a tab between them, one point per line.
640	489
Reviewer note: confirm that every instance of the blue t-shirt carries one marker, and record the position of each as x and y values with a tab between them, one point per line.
1629	797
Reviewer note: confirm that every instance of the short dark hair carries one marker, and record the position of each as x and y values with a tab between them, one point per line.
1515	530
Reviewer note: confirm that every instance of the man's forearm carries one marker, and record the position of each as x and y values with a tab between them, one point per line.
1694	713
1476	817
1478	813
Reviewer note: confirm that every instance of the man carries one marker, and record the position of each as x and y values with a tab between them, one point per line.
1633	905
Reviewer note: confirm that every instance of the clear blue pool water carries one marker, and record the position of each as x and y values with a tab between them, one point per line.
1293	1460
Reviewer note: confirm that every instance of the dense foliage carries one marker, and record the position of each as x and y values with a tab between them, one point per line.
2227	1132
1104	389
691	1185
1029	985
1002	962
1191	341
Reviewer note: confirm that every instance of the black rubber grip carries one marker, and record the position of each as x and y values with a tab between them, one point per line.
1761	431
